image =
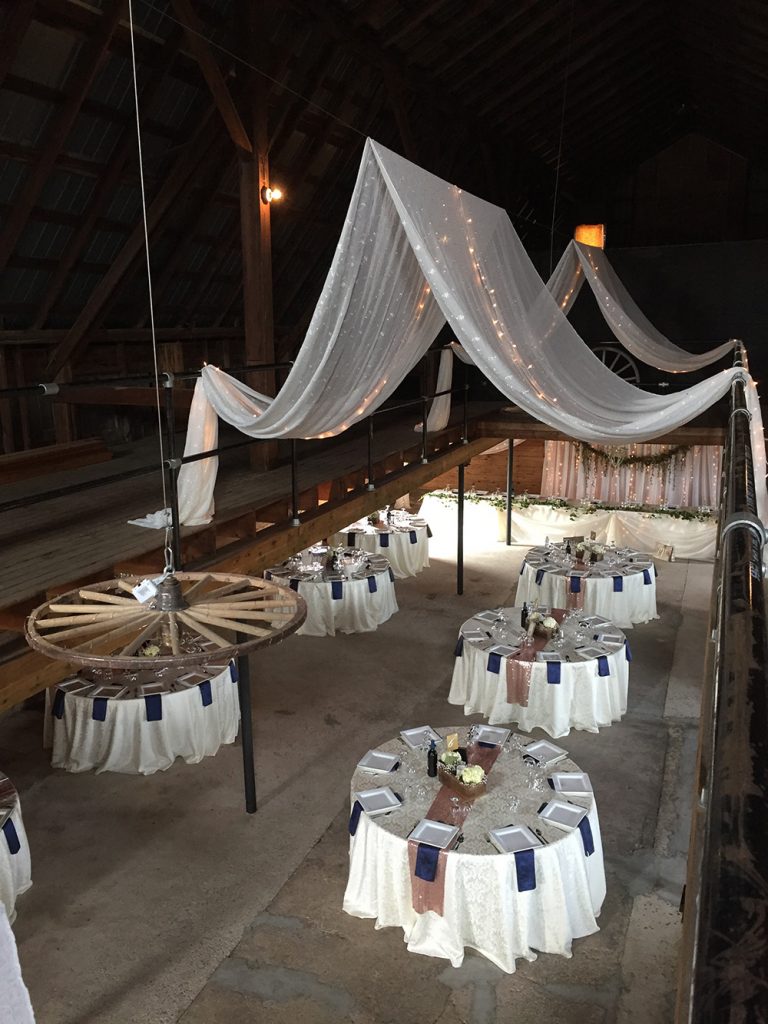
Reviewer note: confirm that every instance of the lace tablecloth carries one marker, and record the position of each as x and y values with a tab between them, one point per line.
483	909
190	716
581	693
15	863
621	588
404	542
335	601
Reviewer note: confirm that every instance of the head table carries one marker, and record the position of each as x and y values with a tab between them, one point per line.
621	587
356	601
141	722
403	540
15	863
505	905
574	680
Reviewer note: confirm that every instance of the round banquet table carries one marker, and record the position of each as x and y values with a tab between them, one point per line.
576	680
621	588
15	863
404	542
356	604
147	726
485	906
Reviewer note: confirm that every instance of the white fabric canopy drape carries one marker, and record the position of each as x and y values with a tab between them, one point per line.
416	251
693	481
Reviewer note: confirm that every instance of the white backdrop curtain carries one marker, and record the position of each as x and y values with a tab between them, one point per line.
693	481
416	251
580	263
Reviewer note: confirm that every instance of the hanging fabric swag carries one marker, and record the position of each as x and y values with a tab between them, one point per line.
414	252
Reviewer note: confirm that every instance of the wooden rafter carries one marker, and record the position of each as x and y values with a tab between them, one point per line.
13	33
79	82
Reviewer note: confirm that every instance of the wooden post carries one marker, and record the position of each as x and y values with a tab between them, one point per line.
255	225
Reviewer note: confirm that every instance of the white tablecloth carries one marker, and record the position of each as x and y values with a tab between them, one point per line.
645	531
582	699
15	862
405	547
361	607
15	1007
636	602
127	742
483	909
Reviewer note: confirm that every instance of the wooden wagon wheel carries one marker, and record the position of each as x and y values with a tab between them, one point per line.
616	359
195	618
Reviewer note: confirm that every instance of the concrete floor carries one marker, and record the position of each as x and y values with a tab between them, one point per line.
157	900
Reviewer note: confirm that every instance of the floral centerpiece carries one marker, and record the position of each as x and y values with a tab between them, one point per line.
589	551
540	624
468	779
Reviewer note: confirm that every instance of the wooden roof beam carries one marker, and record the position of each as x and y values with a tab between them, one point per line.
13	34
78	83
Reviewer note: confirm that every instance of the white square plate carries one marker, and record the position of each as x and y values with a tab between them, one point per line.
562	814
415	737
548	656
504	650
377	801
435	833
590	652
491	734
149	688
474	634
487	616
108	691
592	620
76	685
545	752
378	761
513	838
577	783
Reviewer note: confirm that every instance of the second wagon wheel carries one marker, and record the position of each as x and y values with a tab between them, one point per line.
619	361
194	618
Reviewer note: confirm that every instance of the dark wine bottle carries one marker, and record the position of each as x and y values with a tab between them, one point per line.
524	615
432	759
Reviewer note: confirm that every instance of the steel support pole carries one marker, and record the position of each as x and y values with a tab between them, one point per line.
510	487
294	485
460	535
371	485
424	458
171	470
246	731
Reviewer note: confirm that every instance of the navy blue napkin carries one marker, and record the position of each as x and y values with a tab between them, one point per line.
494	663
655	570
205	693
384	540
603	668
372	585
525	866
426	862
154	706
267	576
575	584
647	577
429	532
618	584
294	584
459	649
627	650
58	704
553	671
233	671
391	574
337	592
482	743
350	540
354	818
99	711
539	576
414	538
11	836
551	783
586	836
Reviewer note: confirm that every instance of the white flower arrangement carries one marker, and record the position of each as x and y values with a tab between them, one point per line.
549	622
471	775
451	758
589	549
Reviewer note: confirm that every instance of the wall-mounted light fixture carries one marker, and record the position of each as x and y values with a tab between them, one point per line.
591	234
270	195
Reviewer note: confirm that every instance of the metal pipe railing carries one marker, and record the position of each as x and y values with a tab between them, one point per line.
725	968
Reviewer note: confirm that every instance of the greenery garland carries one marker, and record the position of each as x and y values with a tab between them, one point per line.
586	508
614	457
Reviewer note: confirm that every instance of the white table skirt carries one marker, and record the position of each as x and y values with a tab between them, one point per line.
127	742
641	530
15	868
636	602
405	557
358	610
15	1006
581	700
483	909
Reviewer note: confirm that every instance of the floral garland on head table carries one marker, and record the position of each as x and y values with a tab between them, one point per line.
619	457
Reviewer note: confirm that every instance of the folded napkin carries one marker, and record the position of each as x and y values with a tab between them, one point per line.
618	584
293	583
575	584
553	671
540	576
337	592
384	540
372	585
494	663
603	668
58	704
414	538
647	577
354	818
627	650
11	836
233	671
99	710
205	693
459	649
586	836
525	868
426	862
154	706
350	540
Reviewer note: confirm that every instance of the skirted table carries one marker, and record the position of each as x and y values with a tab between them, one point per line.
404	542
621	588
505	905
358	602
133	726
576	680
15	863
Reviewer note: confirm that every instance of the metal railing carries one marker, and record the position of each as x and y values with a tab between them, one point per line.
724	967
